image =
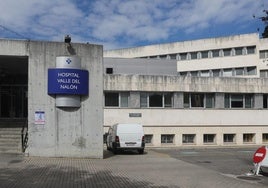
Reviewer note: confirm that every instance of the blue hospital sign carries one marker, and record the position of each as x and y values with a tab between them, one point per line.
67	81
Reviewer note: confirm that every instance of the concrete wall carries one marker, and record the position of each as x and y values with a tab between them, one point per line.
187	84
194	121
218	63
67	132
188	117
186	46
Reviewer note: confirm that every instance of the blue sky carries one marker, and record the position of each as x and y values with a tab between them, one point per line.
128	23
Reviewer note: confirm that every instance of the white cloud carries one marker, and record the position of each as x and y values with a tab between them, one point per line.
119	23
42	18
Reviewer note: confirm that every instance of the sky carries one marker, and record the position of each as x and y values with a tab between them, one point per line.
117	24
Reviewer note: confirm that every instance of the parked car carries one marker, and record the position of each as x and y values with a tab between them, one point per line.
126	136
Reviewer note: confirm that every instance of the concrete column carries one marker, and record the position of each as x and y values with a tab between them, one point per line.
178	100
134	99
258	100
219	100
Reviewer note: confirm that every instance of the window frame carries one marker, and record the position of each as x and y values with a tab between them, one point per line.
232	101
188	99
232	139
148	137
188	138
207	140
166	139
249	138
167	99
264	137
119	99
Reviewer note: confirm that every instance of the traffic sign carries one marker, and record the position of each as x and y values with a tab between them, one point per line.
259	155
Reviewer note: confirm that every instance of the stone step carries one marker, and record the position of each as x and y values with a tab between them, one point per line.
10	136
10	150
10	140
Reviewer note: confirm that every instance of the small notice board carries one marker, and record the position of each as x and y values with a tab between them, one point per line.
39	118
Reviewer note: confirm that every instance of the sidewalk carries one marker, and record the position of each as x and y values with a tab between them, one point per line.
124	170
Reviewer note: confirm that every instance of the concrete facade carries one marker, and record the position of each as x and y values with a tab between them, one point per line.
232	103
178	120
67	132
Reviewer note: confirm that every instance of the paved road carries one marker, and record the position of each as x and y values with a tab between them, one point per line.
156	168
232	162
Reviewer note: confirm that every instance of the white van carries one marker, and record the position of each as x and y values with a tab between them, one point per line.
125	137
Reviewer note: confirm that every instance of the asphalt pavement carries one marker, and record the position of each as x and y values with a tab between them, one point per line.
155	168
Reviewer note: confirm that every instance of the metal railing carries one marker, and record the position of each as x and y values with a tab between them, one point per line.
24	137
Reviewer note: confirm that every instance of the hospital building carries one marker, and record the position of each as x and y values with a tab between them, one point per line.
59	98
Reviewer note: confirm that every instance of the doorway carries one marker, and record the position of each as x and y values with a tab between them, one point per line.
13	90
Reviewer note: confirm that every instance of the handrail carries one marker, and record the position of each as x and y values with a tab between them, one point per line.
24	137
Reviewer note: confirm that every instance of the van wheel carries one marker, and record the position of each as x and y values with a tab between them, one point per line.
141	151
115	151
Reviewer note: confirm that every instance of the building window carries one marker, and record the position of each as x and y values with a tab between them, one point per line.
167	138
143	100
113	99
215	53
210	100
251	49
148	138
216	72
264	73
248	101
227	72
265	101
193	55
156	100
186	100
168	100
163	56
204	54
248	138
204	73
199	100
239	71
251	71
109	70
188	138
153	57
209	138
124	99
194	73
263	54
227	52
265	137
183	56
183	73
228	138
238	101
239	51
173	56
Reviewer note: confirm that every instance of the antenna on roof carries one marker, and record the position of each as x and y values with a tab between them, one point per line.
14	32
264	19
